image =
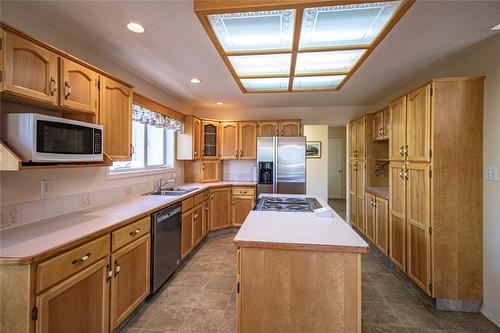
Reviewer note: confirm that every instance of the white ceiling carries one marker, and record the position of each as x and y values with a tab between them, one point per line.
176	48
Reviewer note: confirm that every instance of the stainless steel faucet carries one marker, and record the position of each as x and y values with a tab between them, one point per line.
170	182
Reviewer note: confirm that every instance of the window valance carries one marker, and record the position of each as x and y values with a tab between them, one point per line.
156	119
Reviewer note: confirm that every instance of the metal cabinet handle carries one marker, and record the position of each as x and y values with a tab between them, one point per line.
211	196
195	216
135	232
202	166
241	153
401	173
117	268
110	272
233	201
407	175
402	150
206	208
355	153
195	153
406	151
52	86
82	259
67	90
132	150
243	192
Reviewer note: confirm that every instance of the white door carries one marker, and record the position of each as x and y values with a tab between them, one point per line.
335	168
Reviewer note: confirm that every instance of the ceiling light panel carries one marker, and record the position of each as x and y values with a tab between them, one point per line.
327	62
254	31
317	82
345	25
269	64
266	84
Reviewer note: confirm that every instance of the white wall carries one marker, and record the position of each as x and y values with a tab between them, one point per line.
241	170
340	132
317	168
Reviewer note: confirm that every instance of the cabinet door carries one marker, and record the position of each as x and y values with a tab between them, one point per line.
378	125
79	87
196	138
242	205
382	224
30	70
360	193
209	140
387	122
206	217
210	171
397	130
268	128
418	223
353	138
397	214
220	208
79	304
130	282
229	141
197	224
370	217
2	63
361	139
186	233
353	213
418	125
115	114
290	128
248	141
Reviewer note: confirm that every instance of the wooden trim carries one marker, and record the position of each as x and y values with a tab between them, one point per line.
304	247
8	159
157	107
295	45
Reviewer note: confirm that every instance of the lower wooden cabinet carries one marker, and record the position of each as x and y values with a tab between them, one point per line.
220	208
197	224
79	304
382	224
186	233
242	205
370	217
206	217
131	277
397	214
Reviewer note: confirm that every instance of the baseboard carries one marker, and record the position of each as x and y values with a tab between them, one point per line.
458	305
490	316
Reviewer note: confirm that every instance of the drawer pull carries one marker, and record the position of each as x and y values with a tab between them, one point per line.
117	268
243	191
135	232
82	259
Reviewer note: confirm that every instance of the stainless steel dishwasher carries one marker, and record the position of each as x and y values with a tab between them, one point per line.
166	244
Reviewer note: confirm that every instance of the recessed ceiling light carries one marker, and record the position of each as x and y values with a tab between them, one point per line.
135	27
497	27
219	103
195	80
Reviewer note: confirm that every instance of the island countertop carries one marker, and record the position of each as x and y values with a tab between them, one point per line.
299	230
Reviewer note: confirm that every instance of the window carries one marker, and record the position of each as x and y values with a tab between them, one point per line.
153	142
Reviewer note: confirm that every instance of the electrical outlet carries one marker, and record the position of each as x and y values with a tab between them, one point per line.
491	173
45	187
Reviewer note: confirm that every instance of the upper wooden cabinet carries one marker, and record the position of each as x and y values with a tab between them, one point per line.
209	139
359	134
189	142
268	128
115	114
229	140
353	138
79	87
397	136
418	125
290	128
247	140
30	70
381	125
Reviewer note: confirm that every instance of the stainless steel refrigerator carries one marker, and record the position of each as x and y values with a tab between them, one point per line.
281	165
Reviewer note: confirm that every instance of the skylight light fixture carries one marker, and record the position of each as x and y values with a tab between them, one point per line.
271	47
135	27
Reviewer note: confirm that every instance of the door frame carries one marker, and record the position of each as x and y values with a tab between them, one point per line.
340	165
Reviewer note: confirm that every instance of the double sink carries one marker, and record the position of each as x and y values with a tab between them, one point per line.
174	192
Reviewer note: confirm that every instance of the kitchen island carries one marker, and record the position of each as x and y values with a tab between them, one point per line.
297	272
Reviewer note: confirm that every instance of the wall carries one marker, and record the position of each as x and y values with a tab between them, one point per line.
317	168
340	132
239	170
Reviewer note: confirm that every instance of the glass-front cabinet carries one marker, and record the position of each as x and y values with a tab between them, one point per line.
209	137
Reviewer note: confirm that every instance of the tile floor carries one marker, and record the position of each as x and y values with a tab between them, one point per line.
201	297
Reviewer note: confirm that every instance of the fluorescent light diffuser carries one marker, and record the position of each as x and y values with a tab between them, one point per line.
269	64
266	84
195	80
317	82
135	27
327	62
355	24
254	31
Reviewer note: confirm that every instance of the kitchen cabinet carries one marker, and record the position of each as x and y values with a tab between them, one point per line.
202	171
209	139
353	201
78	304
243	203
189	142
210	171
79	87
115	114
198	224
361	139
290	128
371	215
206	216
380	125
268	128
360	194
2	62
397	134
220	208
229	141
387	122
186	233
353	137
397	214
382	224
247	140
30	70
131	278
418	125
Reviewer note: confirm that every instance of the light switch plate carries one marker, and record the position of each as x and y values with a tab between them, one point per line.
45	187
491	173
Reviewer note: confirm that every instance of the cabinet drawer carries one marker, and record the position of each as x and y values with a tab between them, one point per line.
129	233
207	195
58	268
243	191
187	204
199	198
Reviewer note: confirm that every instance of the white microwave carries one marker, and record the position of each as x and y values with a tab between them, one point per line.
44	139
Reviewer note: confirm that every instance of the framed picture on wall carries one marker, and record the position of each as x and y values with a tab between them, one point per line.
313	149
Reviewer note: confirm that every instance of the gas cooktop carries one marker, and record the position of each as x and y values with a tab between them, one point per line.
287	204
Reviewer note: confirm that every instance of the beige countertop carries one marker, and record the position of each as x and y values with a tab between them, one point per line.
379	191
298	230
40	239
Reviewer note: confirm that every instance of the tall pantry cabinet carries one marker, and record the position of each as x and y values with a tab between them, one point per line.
435	185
